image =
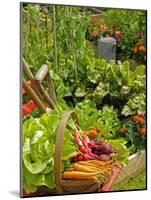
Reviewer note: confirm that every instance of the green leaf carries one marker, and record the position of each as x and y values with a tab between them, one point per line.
139	71
39	148
38	180
122	151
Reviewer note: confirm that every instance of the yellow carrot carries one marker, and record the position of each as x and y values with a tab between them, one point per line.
100	163
85	168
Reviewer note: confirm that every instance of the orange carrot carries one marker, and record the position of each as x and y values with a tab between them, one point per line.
78	175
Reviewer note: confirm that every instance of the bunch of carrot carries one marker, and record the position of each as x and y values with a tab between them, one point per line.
91	169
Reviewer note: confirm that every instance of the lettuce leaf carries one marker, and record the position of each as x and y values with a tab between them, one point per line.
39	136
122	151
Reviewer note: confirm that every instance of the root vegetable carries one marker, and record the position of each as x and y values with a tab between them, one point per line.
104	157
78	175
84	168
104	148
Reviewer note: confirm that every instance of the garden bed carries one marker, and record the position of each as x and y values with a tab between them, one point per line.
103	143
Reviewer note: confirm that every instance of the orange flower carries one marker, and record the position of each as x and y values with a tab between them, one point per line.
141	121
103	135
92	132
142	48
138	119
94	20
135	49
122	130
143	131
103	27
135	118
138	44
95	32
117	33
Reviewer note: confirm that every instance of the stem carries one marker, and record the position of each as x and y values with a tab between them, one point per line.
46	33
26	35
72	44
55	41
30	39
38	23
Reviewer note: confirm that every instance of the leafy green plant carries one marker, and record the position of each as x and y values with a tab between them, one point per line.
38	142
108	121
105	119
133	134
128	22
87	113
120	146
134	105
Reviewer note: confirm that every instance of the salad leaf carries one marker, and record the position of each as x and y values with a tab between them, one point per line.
108	121
87	113
122	151
137	103
39	136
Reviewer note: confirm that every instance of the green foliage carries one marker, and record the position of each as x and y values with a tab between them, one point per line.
108	121
135	183
133	135
128	22
105	119
135	104
88	114
119	145
80	74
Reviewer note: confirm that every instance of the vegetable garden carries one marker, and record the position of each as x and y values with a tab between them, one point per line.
87	116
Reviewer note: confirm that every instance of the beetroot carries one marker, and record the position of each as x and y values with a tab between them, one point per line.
104	157
103	147
74	159
96	152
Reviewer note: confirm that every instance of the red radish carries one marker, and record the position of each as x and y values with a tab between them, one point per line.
85	157
82	148
91	143
89	150
80	157
96	156
84	142
90	157
77	139
87	139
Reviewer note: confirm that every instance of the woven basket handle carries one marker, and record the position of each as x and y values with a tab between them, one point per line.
58	149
